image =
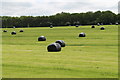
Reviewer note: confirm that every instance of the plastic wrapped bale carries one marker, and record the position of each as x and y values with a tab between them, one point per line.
116	23
102	28
61	42
98	24
101	23
82	34
93	26
77	26
21	31
51	26
54	47
110	23
4	30
42	38
13	33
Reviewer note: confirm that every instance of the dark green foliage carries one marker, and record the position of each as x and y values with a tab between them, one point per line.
62	19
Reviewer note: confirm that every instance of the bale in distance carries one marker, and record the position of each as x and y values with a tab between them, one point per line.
102	28
61	42
116	23
54	47
101	23
82	35
98	24
4	30
93	26
42	38
21	31
13	33
77	26
51	26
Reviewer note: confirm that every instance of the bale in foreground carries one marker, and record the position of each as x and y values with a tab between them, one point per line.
82	34
61	42
42	38
54	47
13	33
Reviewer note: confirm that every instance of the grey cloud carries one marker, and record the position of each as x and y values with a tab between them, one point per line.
16	4
50	8
119	7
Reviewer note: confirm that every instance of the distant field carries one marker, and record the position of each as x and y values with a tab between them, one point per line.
93	56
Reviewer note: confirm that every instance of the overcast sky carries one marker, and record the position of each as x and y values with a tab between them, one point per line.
51	7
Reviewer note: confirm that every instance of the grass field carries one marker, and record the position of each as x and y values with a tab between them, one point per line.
93	56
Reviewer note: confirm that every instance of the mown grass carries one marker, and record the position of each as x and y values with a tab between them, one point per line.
94	56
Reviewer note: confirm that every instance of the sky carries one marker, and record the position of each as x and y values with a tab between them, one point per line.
51	7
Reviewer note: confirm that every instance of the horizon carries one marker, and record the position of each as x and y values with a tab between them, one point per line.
58	13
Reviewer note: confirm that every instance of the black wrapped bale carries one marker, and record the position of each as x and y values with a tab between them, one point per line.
93	26
4	30
77	25
51	26
61	42
13	33
82	35
102	28
101	23
116	23
54	47
21	31
41	38
98	24
110	23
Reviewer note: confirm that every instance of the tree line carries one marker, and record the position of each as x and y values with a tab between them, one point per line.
62	19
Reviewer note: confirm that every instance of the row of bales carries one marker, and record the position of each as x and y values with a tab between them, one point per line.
54	47
101	28
57	45
13	32
98	24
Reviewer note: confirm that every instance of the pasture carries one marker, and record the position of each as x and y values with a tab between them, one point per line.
93	56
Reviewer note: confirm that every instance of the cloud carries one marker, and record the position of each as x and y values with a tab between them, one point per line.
50	7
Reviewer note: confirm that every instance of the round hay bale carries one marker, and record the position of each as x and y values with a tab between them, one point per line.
41	38
82	34
54	47
98	24
21	31
102	28
51	26
110	23
61	42
4	30
77	26
93	26
116	23
13	33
